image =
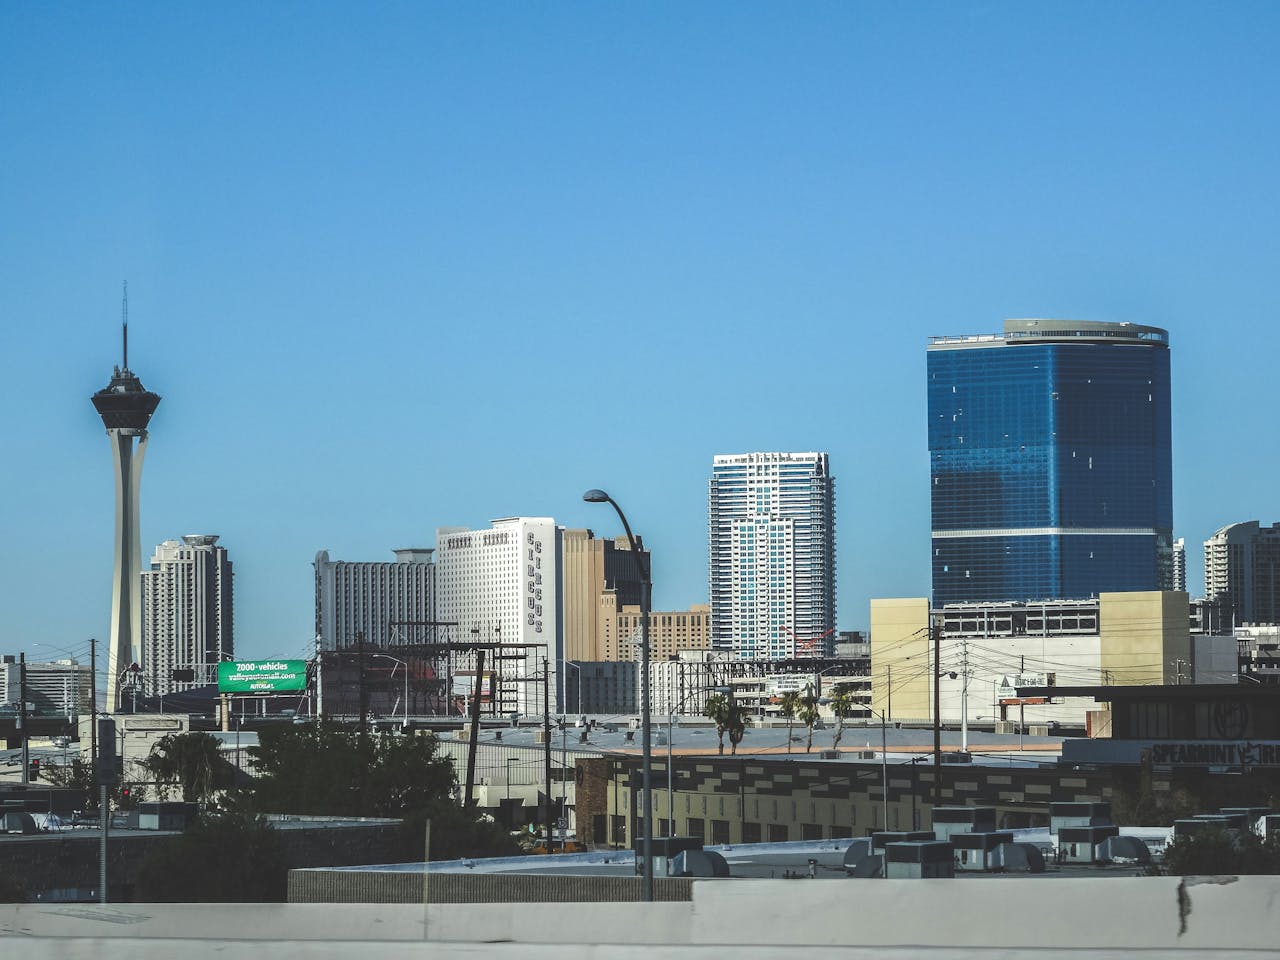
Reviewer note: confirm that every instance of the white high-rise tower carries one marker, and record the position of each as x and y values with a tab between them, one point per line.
772	555
186	613
126	408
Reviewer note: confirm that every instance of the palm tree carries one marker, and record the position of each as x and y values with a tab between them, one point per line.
736	728
719	711
807	713
790	709
841	703
191	761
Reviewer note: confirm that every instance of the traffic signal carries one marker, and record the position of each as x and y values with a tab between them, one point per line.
34	770
124	792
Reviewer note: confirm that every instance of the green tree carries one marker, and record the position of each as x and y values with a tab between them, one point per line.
807	714
728	717
841	704
737	729
789	708
325	770
81	775
192	762
717	711
227	857
1222	852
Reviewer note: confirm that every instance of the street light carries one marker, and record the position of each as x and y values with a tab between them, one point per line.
646	586
884	766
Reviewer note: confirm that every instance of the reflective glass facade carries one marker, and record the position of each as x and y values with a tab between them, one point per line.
1051	474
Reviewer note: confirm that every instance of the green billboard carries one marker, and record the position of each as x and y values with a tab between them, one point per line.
262	676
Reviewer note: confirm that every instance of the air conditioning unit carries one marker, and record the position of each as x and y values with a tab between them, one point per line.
1006	726
866	754
540	736
830	754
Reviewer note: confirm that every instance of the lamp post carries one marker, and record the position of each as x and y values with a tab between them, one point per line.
884	766
646	586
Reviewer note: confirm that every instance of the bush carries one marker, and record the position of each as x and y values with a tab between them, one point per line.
223	858
1219	852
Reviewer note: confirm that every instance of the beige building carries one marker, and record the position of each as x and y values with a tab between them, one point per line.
598	575
988	650
670	631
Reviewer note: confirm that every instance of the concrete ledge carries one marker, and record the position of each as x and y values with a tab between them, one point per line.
1009	912
997	917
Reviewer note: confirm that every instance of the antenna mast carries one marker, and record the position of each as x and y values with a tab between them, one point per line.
124	319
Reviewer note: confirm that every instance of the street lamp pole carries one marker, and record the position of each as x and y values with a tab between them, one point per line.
646	587
884	766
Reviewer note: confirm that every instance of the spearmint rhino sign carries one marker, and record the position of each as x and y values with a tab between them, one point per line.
262	676
1242	753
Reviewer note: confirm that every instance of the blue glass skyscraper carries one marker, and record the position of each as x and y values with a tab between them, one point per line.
1050	464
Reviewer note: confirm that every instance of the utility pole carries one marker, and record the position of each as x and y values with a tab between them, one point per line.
546	746
93	700
363	738
888	691
364	692
319	680
22	716
937	714
474	737
964	696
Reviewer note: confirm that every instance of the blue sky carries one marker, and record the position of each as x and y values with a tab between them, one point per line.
399	266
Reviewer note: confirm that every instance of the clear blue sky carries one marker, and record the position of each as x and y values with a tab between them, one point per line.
397	266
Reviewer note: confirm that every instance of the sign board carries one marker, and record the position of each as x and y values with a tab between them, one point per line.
262	676
1241	753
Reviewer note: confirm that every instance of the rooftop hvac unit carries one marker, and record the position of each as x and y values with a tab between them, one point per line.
830	754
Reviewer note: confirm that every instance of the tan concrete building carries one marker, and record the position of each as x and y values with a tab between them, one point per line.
988	650
598	575
669	631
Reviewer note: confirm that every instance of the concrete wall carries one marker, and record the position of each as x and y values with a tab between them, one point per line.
900	652
384	886
853	918
70	860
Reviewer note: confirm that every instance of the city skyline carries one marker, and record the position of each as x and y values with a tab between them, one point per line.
395	280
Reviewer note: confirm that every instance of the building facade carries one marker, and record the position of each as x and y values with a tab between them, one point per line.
1050	462
601	687
670	631
1242	572
772	554
503	585
594	567
53	688
187	614
386	602
987	651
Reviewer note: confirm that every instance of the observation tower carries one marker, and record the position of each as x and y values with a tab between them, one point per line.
126	408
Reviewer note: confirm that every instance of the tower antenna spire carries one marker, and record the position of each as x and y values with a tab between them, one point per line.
124	320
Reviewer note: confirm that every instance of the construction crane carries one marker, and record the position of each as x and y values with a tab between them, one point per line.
808	646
